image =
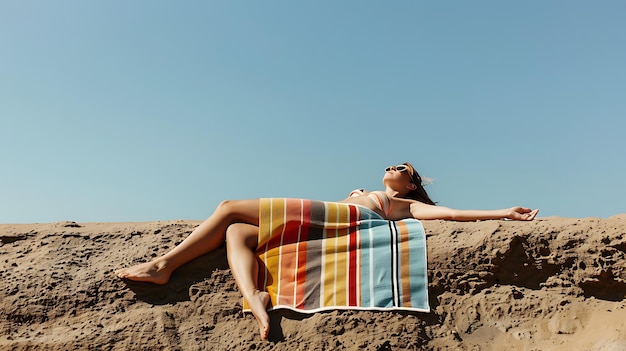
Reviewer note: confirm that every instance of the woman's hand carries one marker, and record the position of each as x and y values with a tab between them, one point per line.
522	214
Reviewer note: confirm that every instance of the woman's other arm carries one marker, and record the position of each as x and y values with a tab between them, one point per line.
423	211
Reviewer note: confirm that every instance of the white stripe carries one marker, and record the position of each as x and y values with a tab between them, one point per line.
336	206
394	263
323	271
371	230
280	249
347	254
295	273
357	308
358	257
266	247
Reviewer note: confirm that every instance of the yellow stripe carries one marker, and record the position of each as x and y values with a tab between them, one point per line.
328	258
265	208
341	271
334	278
272	259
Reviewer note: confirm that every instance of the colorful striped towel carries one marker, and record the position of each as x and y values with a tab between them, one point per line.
316	255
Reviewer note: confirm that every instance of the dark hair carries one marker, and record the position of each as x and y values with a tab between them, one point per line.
419	193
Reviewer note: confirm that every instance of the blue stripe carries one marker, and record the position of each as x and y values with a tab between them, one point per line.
370	229
382	257
417	264
365	258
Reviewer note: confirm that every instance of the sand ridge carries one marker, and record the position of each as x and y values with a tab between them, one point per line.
551	284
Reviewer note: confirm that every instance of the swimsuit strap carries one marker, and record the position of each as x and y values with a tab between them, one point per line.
382	201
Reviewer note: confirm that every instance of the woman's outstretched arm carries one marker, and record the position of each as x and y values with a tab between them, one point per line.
420	210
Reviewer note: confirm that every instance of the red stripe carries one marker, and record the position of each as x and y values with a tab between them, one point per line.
301	249
288	253
352	268
292	211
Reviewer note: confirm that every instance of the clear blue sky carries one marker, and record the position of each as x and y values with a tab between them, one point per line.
158	110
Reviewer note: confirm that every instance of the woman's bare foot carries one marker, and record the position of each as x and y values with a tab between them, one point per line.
151	272
258	302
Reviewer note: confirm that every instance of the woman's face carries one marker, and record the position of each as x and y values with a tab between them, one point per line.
397	177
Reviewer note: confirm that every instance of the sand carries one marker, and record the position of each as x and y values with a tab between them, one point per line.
551	284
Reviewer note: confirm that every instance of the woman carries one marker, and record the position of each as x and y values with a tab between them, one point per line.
237	223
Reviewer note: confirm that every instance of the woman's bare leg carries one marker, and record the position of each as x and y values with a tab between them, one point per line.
241	243
207	237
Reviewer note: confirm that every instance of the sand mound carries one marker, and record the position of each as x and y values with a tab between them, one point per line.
550	284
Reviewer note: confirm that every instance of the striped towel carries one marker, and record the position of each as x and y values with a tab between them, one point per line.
316	255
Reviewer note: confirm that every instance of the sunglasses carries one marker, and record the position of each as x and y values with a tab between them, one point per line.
399	168
415	178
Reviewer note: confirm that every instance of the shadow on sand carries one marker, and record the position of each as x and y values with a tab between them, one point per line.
177	289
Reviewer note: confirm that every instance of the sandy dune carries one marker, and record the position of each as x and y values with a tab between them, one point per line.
550	284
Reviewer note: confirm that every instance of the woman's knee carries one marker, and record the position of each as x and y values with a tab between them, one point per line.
225	205
241	233
246	211
227	210
235	231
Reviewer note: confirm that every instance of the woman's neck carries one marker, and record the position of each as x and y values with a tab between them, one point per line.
394	193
